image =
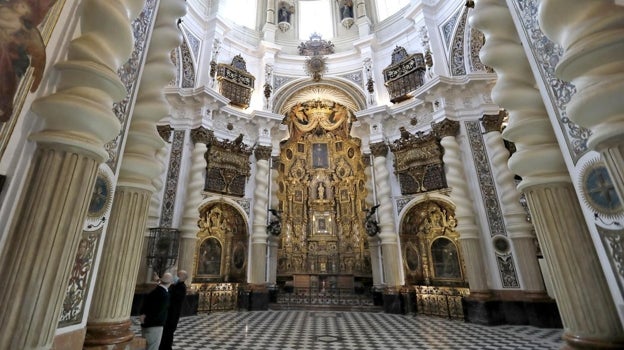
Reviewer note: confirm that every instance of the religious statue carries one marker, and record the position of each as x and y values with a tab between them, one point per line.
275	226
321	191
372	227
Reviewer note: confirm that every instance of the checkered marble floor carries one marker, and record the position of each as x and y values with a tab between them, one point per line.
286	330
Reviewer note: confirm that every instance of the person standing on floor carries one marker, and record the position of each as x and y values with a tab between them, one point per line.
177	292
153	312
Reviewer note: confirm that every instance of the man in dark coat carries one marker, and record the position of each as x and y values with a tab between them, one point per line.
153	312
177	292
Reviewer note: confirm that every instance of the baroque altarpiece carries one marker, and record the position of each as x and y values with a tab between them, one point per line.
322	192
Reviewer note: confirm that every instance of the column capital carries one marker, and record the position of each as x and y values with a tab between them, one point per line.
492	122
202	135
379	149
445	128
165	132
263	152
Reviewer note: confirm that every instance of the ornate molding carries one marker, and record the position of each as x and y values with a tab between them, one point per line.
164	131
263	152
202	135
379	149
493	122
445	128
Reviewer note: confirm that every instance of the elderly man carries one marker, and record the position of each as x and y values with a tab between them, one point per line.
177	291
154	312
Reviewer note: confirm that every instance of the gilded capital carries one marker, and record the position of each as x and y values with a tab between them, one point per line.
492	122
445	128
164	131
379	149
202	135
262	152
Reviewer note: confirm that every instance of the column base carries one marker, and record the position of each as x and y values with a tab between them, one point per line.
392	303
259	298
573	342
108	333
535	311
482	311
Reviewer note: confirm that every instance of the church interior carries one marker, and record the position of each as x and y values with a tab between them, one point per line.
461	160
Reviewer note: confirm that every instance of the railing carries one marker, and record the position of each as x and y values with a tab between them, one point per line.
324	297
440	301
217	296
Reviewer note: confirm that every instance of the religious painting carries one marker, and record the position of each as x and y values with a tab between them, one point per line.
344	195
339	146
445	259
321	226
301	147
238	256
298	196
209	257
25	28
320	156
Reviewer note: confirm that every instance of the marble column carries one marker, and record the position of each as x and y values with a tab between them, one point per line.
590	319
388	236
591	34
519	229
468	230
189	227
42	240
259	236
109	317
145	275
374	247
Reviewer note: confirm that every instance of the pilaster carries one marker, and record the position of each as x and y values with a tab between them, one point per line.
518	229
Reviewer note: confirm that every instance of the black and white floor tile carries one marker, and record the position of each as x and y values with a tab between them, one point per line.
289	330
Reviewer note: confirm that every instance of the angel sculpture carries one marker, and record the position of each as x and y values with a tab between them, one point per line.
21	47
275	226
372	227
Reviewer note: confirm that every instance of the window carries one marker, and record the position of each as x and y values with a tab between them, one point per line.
387	8
241	12
315	16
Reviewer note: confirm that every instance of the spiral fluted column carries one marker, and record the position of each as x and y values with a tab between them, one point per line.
43	239
388	234
590	33
109	317
145	273
257	276
373	242
519	230
190	217
469	237
590	319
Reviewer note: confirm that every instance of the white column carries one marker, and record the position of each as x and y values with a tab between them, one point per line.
257	275
109	316
519	230
388	235
591	34
464	213
590	319
43	239
189	228
145	273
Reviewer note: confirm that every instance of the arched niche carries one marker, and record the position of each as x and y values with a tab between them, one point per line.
222	250
430	244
